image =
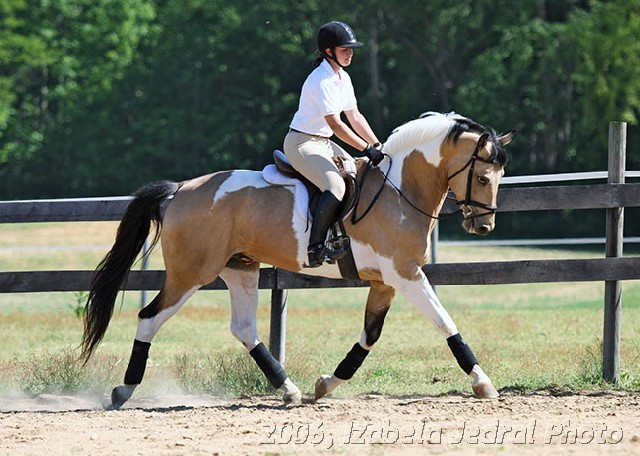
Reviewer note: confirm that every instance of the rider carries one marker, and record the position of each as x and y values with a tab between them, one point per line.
326	93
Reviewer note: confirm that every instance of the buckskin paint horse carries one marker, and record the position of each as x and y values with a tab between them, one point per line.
215	219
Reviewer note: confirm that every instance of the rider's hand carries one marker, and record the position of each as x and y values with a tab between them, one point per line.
374	153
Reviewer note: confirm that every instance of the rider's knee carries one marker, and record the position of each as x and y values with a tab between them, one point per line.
337	186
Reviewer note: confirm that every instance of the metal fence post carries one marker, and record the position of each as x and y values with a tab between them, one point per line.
614	245
278	325
435	241
143	267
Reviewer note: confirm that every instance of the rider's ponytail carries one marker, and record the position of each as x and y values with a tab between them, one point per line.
318	61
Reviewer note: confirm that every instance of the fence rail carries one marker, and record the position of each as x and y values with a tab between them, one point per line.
612	196
480	273
601	196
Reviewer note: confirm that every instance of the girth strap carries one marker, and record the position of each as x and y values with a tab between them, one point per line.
347	264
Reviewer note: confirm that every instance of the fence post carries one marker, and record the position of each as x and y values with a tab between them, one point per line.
435	240
278	325
614	244
143	267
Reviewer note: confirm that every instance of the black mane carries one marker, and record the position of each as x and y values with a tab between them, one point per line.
463	125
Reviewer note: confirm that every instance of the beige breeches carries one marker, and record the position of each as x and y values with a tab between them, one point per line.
311	156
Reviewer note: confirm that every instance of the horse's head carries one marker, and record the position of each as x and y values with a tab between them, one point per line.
468	158
474	168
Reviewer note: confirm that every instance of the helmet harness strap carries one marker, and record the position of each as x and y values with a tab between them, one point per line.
331	55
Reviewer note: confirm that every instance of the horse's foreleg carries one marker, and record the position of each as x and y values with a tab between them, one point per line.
421	294
378	303
243	287
150	319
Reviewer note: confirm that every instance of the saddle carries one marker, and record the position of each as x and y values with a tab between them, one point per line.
338	239
348	201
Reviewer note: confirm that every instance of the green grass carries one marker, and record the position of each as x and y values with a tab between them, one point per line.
57	373
527	337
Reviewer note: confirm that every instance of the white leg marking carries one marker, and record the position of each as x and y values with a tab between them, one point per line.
149	327
363	341
482	385
290	392
421	294
243	288
326	384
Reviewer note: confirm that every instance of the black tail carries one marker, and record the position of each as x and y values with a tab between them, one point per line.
113	270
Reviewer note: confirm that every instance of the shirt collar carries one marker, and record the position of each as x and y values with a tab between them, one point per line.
326	66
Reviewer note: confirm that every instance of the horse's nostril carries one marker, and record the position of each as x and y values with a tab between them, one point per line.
483	229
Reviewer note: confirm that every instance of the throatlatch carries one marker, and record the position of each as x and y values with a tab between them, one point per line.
465	357
137	363
270	366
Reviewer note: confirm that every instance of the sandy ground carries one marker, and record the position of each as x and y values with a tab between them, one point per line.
540	423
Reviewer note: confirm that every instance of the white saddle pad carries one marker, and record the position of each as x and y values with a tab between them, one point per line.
300	195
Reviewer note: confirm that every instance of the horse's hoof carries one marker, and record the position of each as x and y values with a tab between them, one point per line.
290	393
292	398
322	387
119	396
485	390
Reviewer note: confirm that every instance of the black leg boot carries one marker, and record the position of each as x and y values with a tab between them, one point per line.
322	219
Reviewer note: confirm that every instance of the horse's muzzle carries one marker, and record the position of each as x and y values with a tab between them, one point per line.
475	226
480	224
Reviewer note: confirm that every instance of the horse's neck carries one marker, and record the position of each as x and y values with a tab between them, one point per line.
422	183
410	140
416	165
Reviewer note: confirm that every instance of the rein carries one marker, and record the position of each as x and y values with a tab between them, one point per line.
468	201
354	217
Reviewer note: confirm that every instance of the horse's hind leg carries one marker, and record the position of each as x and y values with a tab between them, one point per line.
150	319
243	287
378	303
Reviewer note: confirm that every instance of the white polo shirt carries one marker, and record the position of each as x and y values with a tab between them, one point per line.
323	93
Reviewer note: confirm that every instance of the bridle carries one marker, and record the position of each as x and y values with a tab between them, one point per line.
464	205
467	202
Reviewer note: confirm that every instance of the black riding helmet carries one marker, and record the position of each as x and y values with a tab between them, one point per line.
336	34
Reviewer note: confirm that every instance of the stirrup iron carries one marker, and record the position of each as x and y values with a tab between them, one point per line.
338	248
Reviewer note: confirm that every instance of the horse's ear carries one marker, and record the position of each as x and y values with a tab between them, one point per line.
482	141
506	138
482	144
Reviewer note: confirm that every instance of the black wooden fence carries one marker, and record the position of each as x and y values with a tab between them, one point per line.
612	196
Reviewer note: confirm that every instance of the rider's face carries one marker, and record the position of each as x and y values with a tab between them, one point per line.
344	56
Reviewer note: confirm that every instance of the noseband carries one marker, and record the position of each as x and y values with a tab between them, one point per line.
465	205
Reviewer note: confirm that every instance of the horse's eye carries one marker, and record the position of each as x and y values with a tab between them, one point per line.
483	180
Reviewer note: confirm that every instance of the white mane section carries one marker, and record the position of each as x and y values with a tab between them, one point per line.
424	135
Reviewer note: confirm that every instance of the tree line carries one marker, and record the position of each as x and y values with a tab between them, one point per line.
98	97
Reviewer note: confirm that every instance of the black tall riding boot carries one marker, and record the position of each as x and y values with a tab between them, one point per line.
322	219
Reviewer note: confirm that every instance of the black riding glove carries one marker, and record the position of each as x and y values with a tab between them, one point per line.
374	153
